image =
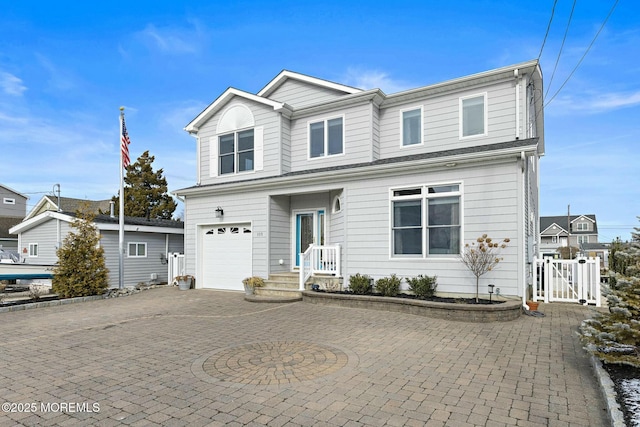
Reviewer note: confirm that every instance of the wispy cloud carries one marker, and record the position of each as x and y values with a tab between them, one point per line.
596	102
11	85
173	40
371	79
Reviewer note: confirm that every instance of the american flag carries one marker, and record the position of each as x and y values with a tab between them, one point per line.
124	144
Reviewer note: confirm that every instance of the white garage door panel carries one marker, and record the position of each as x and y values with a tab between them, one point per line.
226	256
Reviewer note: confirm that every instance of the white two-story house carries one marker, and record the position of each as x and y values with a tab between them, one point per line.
315	175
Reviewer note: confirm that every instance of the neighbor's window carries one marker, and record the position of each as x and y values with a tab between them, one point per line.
582	226
8	201
326	138
426	220
235	152
33	249
583	239
137	250
411	126
473	117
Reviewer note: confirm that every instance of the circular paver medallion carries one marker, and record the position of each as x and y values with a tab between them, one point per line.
274	362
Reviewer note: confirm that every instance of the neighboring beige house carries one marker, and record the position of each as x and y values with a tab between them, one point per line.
68	204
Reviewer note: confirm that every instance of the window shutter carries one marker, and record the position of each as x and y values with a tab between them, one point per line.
258	151
213	156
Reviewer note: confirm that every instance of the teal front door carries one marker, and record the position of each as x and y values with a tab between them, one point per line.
309	230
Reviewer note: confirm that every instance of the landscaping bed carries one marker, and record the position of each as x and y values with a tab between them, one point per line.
626	383
436	307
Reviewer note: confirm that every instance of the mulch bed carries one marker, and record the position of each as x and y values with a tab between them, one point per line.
434	299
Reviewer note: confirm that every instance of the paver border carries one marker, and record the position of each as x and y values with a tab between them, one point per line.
51	303
506	311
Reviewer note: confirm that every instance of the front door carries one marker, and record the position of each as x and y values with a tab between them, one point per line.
310	229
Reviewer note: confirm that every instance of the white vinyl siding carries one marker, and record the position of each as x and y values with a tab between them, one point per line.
473	116
300	94
411	126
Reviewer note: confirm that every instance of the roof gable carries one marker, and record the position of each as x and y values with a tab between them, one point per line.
285	75
11	190
223	99
68	204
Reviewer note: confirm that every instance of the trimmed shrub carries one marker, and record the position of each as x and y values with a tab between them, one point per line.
389	286
360	284
422	286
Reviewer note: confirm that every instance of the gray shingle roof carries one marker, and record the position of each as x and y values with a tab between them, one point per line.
561	220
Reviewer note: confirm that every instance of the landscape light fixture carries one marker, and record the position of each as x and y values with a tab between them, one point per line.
219	212
491	292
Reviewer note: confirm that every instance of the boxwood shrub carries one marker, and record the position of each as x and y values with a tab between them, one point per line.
422	286
360	284
389	286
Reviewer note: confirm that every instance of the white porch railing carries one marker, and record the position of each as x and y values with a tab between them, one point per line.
175	265
576	280
319	260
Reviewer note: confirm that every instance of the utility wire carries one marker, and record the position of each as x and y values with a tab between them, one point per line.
585	53
553	9
566	31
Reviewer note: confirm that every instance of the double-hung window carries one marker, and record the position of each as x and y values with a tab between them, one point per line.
411	126
473	115
426	220
235	152
326	137
582	226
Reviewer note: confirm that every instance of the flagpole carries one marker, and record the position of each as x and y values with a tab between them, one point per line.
121	213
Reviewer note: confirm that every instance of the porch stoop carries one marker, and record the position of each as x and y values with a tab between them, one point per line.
283	287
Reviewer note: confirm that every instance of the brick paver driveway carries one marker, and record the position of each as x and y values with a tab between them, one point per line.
166	357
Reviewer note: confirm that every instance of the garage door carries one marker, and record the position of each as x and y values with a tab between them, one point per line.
226	256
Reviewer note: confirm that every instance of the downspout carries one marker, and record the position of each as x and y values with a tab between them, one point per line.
517	77
523	236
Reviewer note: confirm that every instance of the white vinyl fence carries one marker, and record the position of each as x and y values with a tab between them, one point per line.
175	265
575	280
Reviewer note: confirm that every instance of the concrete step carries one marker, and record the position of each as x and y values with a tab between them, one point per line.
277	292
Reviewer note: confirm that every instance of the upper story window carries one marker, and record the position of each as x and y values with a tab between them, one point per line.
33	249
411	128
236	152
426	220
8	201
473	115
582	226
583	239
326	137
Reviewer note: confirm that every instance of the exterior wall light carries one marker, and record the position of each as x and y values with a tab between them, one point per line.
219	212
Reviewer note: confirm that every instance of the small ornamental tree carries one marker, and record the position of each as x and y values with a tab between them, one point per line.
614	337
81	269
482	257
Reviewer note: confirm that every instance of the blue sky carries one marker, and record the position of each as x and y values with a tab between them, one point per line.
66	67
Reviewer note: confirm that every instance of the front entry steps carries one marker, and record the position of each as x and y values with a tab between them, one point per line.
283	287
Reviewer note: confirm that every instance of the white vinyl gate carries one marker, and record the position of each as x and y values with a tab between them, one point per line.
176	265
575	280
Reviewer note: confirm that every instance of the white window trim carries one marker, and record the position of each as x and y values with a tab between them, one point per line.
326	137
129	255
425	250
235	152
460	116
404	110
31	251
582	226
9	201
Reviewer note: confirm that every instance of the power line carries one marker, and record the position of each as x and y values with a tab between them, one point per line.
564	38
585	53
553	9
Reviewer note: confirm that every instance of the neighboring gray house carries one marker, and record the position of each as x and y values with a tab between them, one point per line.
13	208
147	243
554	231
382	183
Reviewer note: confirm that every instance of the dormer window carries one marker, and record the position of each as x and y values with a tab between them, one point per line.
326	138
582	226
